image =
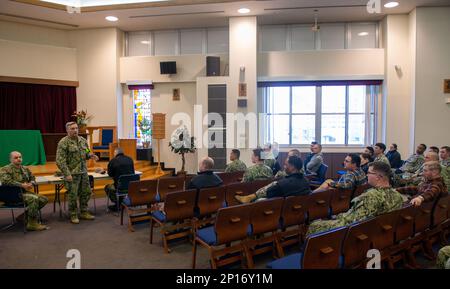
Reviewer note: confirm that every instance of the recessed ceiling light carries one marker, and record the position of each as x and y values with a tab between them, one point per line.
363	33
111	18
391	4
244	10
145	42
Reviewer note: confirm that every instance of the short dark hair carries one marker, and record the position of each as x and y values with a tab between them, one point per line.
434	149
447	148
257	153
355	159
382	168
424	146
381	146
314	142
394	145
236	152
365	156
371	150
295	152
296	162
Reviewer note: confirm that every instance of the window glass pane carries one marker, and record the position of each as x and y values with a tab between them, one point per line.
302	38
303	129
273	38
304	99
333	99
278	100
357	98
191	41
166	42
356	129
217	40
363	35
280	129
332	36
139	43
333	129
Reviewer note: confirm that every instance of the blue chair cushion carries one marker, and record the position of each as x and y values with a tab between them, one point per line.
127	201
159	215
107	136
341	172
249	230
158	198
101	147
288	262
341	261
207	235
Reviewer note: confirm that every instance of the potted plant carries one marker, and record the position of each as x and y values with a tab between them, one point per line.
82	119
182	143
145	125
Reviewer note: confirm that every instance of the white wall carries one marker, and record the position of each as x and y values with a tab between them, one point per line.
432	67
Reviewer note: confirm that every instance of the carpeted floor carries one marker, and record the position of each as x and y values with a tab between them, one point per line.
103	243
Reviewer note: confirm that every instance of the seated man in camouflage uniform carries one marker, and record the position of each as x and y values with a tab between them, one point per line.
259	171
444	154
15	174
282	173
417	177
294	184
380	199
379	150
443	258
353	177
236	164
413	163
432	187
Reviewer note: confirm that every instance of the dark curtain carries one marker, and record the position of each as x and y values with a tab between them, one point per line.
36	107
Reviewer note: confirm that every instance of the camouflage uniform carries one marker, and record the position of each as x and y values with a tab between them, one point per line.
13	176
270	162
350	180
443	258
282	173
413	163
262	192
445	173
257	172
382	158
71	158
370	204
236	166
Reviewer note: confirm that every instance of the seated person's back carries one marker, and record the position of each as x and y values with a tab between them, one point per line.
120	165
206	178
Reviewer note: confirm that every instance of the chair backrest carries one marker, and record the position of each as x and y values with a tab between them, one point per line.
384	230
265	215
257	184
142	192
11	194
359	190
319	205
232	223
294	211
440	210
180	205
91	181
230	178
124	180
423	217
210	200
107	136
405	223
169	185
237	189
323	250
187	180
322	172
340	200
357	242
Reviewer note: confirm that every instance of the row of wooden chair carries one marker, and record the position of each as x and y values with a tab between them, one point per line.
397	235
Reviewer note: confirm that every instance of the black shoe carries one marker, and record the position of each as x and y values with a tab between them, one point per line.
113	208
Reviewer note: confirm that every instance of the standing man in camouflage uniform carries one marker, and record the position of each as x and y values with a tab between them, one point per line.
236	164
376	201
15	174
259	171
71	156
379	149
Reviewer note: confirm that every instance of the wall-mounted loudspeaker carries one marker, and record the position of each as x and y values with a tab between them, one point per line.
212	66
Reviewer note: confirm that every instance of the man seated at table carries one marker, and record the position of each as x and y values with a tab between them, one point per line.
118	166
352	178
15	174
206	178
379	199
294	184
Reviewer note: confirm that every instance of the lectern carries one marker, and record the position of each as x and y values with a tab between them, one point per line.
159	133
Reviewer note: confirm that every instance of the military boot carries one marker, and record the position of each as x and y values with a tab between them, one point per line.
74	219
245	199
33	225
86	216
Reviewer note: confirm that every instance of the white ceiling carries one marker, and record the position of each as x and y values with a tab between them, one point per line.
206	15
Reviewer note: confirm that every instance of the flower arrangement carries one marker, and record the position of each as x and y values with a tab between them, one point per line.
145	126
81	117
182	143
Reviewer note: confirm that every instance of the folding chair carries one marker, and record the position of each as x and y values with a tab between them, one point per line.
356	244
169	185
292	223
265	219
319	205
231	225
321	251
122	189
340	200
175	219
230	178
140	201
11	196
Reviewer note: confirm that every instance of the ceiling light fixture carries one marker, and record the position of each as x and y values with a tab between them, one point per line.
244	10
363	33
111	18
391	4
315	26
145	42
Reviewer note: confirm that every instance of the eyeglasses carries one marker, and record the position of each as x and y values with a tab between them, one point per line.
372	173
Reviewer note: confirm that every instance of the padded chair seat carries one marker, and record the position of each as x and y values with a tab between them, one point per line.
207	235
158	198
126	202
341	172
159	215
101	147
288	262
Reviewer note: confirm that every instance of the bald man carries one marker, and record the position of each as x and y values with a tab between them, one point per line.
15	174
206	178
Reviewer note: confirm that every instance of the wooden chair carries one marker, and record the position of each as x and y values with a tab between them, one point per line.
383	235
176	218
321	251
169	185
122	188
264	218
231	225
230	178
436	231
237	189
357	243
293	218
319	205
107	139
404	232
187	180
258	184
359	190
140	201
210	200
340	200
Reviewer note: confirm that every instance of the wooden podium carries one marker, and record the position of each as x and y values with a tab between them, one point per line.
159	133
129	147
